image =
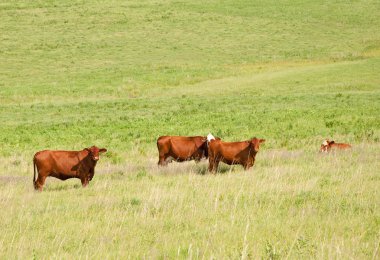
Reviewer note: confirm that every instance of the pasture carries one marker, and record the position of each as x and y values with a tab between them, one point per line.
120	74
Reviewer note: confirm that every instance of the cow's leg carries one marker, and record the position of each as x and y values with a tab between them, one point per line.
84	178
162	160
84	181
247	166
91	174
198	156
210	164
39	183
213	164
216	165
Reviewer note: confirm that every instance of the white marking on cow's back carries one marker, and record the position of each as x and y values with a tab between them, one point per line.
325	142
210	137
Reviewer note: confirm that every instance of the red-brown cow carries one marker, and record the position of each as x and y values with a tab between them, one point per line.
65	165
243	153
327	146
181	148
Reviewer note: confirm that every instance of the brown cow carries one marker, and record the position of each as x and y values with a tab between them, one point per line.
243	153
182	148
65	165
327	145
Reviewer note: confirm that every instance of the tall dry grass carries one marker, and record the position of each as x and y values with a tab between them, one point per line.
292	204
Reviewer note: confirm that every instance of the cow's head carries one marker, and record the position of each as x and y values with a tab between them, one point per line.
256	143
94	152
325	146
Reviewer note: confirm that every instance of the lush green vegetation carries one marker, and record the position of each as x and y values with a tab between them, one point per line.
120	74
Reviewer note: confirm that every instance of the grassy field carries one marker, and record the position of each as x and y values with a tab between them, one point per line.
119	74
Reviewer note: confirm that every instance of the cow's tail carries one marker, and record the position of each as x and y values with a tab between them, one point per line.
34	170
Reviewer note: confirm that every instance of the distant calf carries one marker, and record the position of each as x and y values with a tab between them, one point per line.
181	148
242	153
327	146
65	165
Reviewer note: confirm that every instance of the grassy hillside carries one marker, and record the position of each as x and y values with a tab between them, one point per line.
120	74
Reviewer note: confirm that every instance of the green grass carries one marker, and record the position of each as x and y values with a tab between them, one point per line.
120	74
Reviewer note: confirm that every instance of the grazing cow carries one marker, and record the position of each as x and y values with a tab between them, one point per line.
65	165
327	145
243	153
182	148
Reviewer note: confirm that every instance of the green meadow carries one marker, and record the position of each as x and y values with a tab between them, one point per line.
119	74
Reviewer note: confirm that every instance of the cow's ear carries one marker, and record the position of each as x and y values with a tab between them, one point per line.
102	150
331	142
261	140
